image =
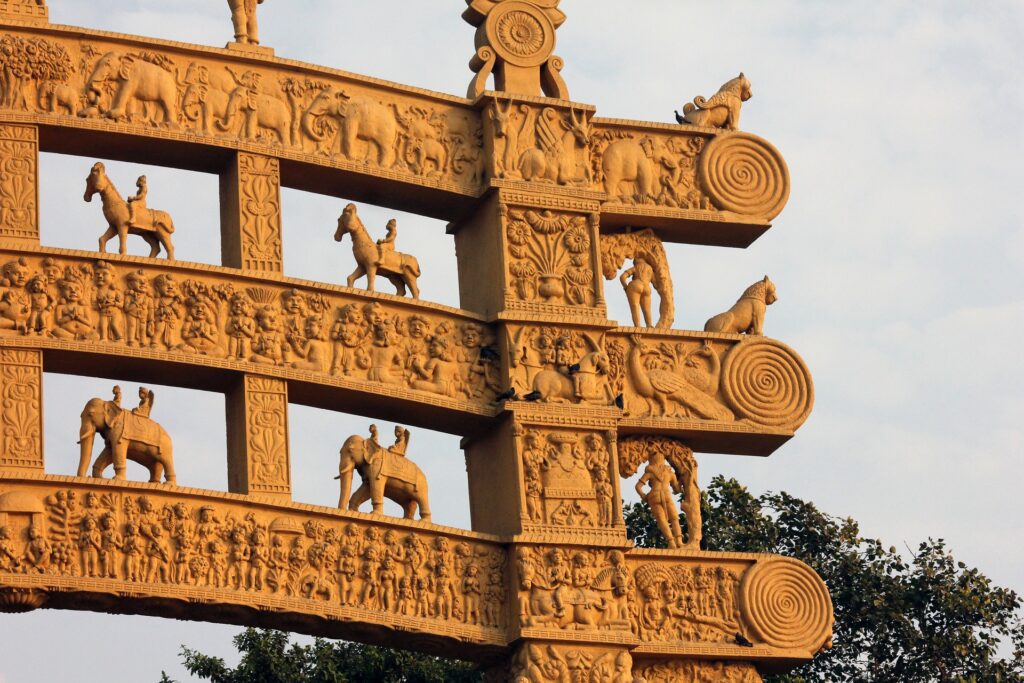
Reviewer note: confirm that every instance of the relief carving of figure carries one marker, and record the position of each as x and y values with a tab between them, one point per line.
126	435
747	315
153	226
402	270
647	247
384	474
722	110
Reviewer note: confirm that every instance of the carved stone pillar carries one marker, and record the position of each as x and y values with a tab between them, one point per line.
21	419
250	214
24	10
19	182
257	423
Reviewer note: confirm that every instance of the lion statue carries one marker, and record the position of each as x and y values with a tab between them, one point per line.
722	110
747	315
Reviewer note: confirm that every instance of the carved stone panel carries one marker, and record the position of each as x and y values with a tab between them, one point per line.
21	419
258	461
696	671
19	178
251	214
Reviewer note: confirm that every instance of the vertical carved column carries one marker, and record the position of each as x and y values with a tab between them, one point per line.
257	422
21	401
19	182
250	214
24	10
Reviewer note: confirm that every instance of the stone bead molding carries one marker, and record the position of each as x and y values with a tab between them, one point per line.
183	553
96	92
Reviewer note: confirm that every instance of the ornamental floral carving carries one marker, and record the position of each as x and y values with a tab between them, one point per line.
690	671
19	214
21	398
267	434
551	257
259	187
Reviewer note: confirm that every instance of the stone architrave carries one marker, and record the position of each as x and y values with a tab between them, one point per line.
19	183
251	214
21	400
24	10
257	422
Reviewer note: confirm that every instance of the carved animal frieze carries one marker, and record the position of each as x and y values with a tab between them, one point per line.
555	365
121	304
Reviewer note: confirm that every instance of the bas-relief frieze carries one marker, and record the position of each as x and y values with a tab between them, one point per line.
255	324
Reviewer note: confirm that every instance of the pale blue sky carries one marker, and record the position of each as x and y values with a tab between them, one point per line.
898	259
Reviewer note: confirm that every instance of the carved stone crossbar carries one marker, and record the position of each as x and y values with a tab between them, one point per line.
747	396
185	553
104	94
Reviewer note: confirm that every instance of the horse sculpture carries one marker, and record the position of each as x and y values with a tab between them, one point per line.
401	269
151	225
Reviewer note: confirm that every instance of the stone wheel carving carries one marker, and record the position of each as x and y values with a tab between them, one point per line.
786	605
744	174
520	34
767	383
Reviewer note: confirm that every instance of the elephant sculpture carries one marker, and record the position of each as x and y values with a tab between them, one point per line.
257	110
356	119
205	99
135	79
385	472
127	435
57	98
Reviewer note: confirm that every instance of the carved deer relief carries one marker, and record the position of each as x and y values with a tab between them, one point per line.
555	159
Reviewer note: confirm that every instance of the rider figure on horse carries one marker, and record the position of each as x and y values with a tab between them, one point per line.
137	204
387	245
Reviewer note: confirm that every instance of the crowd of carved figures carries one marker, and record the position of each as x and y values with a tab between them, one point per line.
534	144
583	589
567	477
289	328
137	539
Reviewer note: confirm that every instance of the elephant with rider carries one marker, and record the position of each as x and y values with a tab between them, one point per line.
127	435
385	472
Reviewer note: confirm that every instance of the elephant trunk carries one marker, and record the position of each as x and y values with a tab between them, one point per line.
229	114
309	125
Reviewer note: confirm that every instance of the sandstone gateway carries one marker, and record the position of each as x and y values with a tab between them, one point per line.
556	404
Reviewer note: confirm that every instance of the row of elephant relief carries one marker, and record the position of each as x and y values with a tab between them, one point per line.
144	540
281	109
534	144
287	328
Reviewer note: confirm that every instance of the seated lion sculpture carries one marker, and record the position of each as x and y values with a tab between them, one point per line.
747	314
721	110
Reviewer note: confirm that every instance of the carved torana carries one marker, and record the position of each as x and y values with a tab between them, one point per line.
557	405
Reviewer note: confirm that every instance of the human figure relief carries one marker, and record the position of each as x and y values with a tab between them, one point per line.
138	309
638	290
40	305
71	317
662	483
349	335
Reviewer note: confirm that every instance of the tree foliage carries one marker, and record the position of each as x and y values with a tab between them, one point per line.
269	657
912	617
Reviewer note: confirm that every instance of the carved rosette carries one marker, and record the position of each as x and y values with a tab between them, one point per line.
767	383
786	605
515	40
19	174
744	174
21	437
259	180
